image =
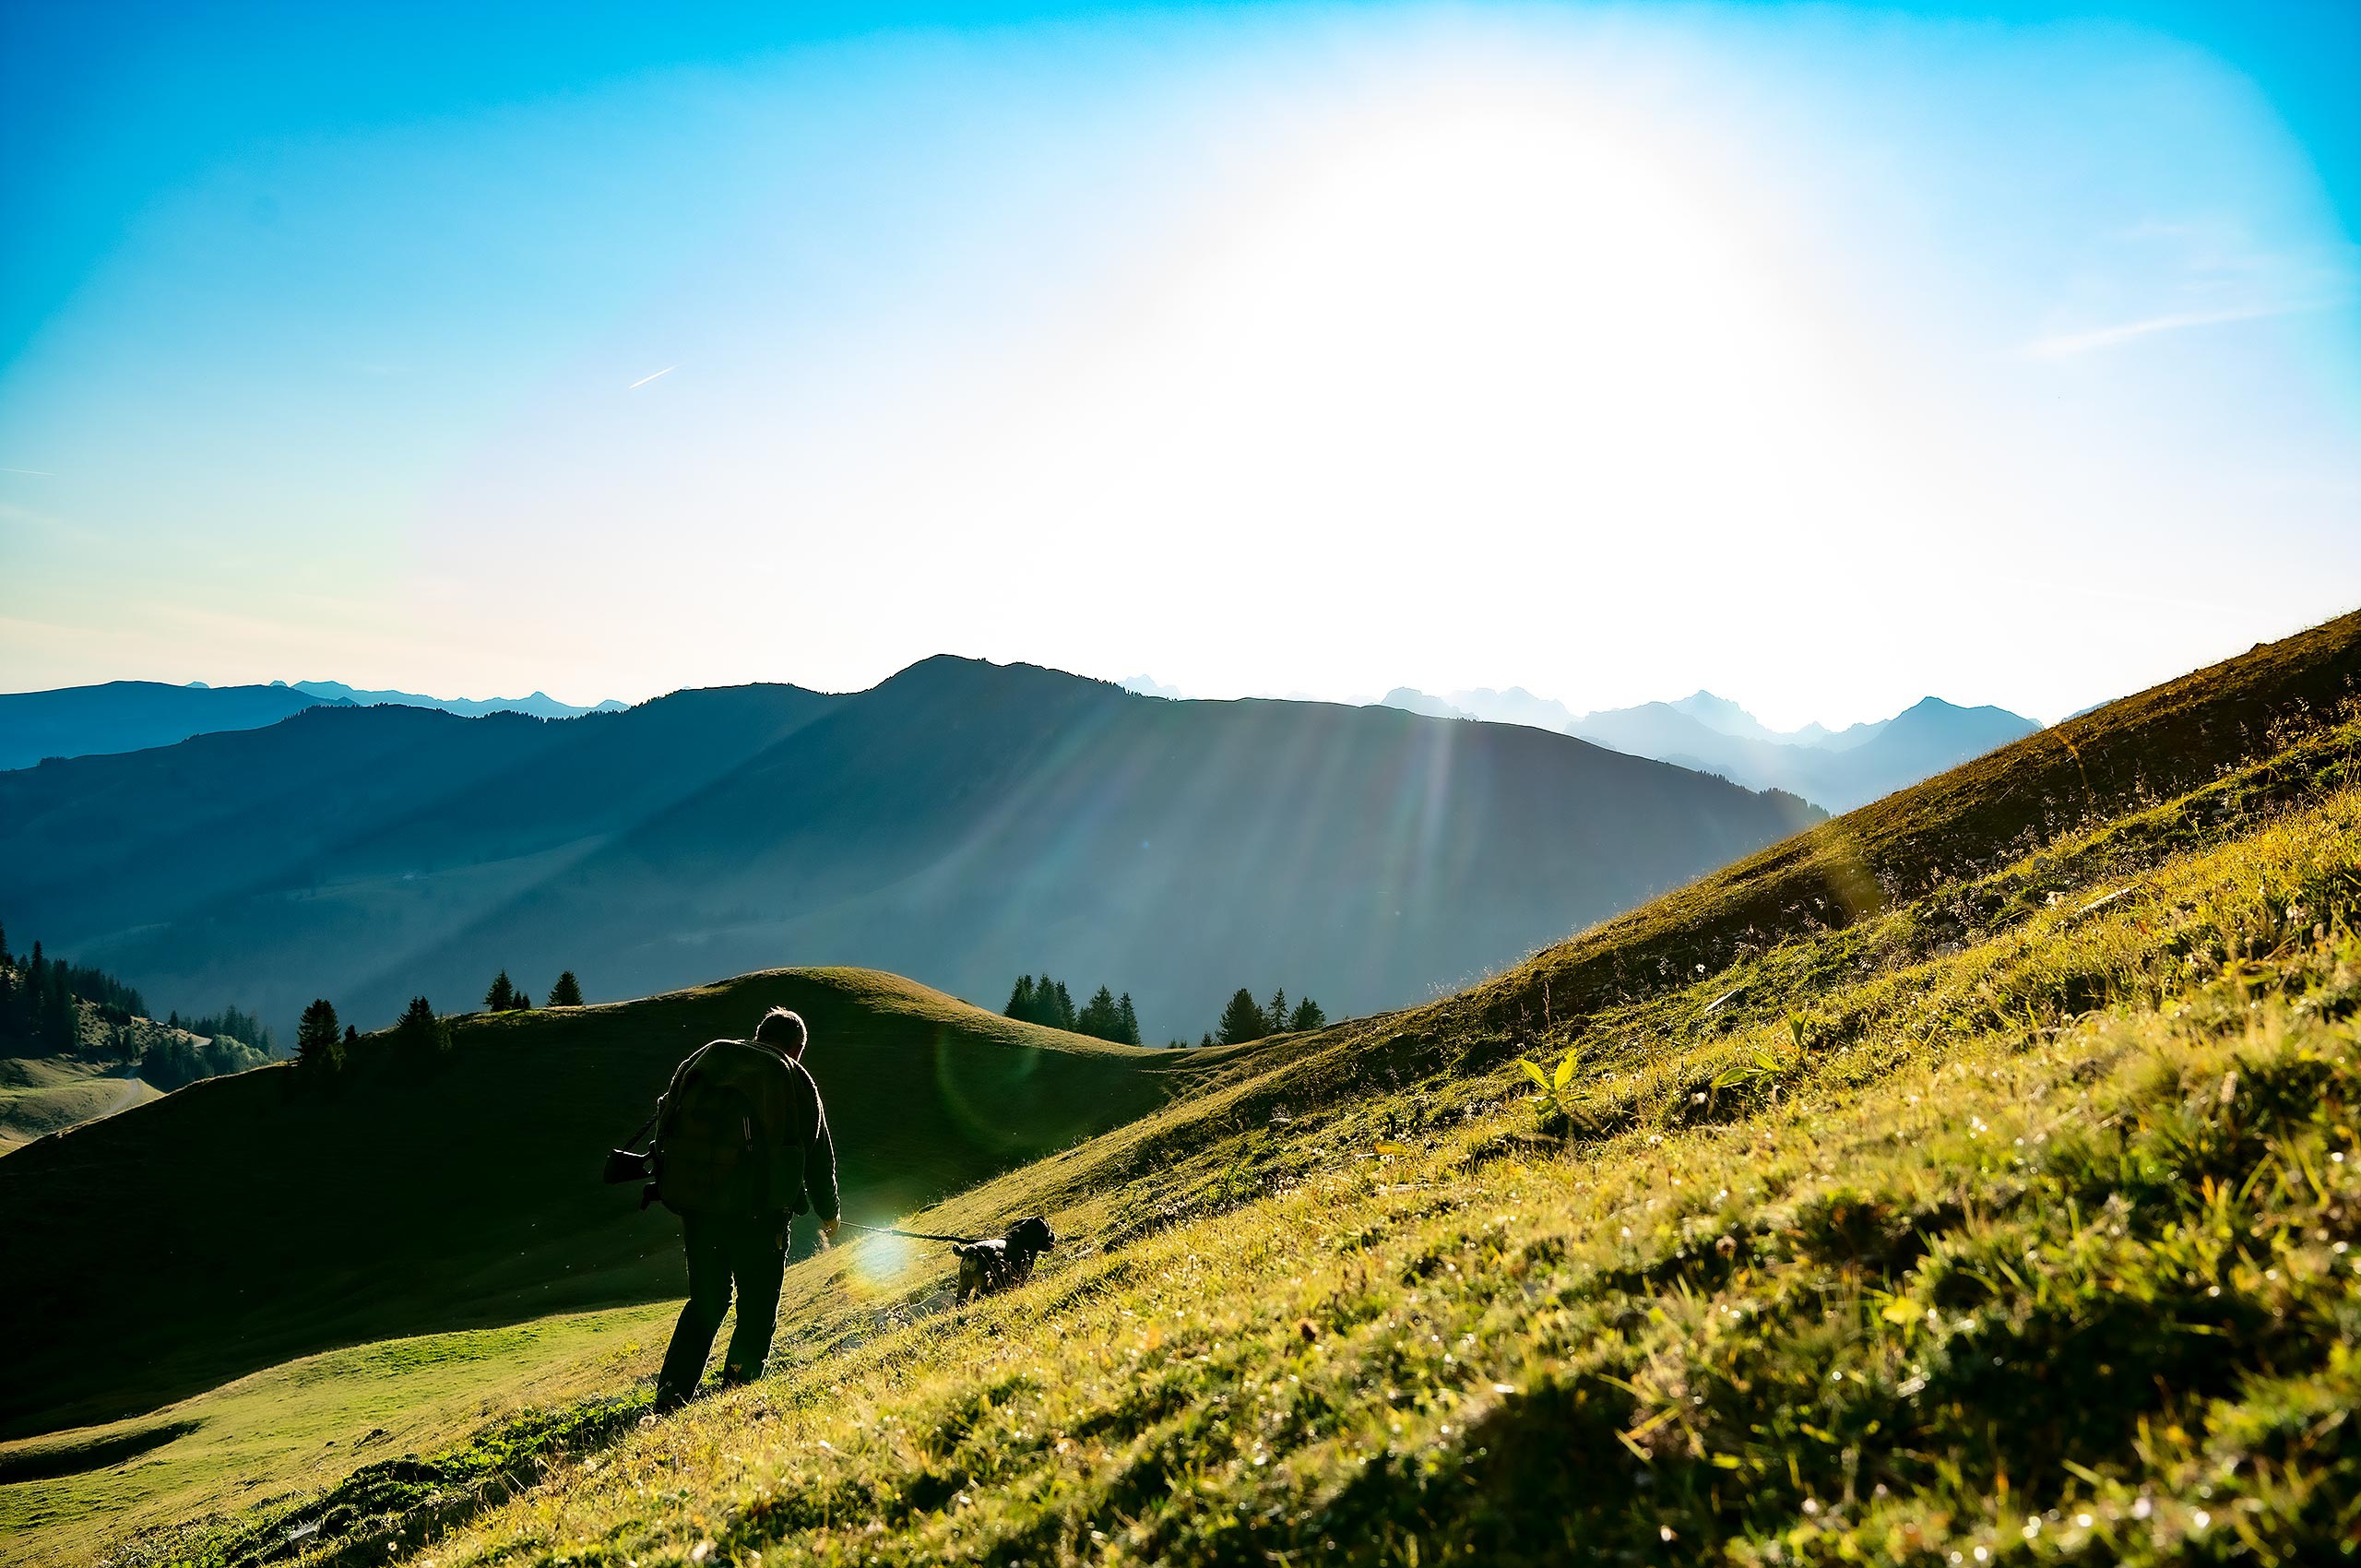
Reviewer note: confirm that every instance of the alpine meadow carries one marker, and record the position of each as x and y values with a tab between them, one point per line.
1102	937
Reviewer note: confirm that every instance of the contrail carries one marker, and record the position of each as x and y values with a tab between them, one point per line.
646	379
44	473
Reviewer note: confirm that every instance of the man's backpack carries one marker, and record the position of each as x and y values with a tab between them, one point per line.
720	1131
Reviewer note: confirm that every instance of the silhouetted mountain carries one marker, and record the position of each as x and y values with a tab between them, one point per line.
541	705
132	715
959	822
1835	769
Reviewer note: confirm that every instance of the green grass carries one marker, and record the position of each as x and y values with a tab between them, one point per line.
1974	1179
42	1096
1975	1272
244	1220
265	1441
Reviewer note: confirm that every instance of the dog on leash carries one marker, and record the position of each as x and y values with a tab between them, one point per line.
989	1267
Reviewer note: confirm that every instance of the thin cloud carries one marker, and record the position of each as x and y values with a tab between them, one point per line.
37	473
646	379
2066	345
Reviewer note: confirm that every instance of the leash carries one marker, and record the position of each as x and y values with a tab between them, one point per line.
907	1235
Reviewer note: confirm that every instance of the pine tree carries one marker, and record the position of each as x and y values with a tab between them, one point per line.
352	1035
1309	1015
1127	1022
1208	1042
1101	1017
568	991
4	960
503	995
1242	1020
319	1048
1020	1000
1065	1018
1275	1014
421	1036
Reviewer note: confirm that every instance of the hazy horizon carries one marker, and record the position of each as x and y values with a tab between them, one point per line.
1351	699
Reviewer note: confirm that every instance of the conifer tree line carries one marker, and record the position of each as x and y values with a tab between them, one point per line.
506	996
1246	1018
1040	1000
323	1043
52	1008
43	1013
40	998
229	1022
1037	999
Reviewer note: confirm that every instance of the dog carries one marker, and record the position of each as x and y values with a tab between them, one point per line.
989	1267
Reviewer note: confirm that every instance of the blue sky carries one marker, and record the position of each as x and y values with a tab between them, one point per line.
1825	356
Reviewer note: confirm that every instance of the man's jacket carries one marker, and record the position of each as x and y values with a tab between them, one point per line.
742	1130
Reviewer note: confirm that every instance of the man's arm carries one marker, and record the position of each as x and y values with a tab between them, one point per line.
813	1146
820	1166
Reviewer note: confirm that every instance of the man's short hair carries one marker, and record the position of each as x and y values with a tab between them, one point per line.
784	1031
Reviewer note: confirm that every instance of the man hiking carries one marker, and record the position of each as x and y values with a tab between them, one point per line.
742	1145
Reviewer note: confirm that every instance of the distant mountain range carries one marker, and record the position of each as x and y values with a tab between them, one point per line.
541	705
960	823
1835	769
130	716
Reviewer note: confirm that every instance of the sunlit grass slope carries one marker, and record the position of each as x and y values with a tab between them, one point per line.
271	1438
1922	1192
244	1220
40	1096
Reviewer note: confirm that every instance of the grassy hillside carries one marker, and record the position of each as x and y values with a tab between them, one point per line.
41	1095
960	823
275	1219
1975	1179
294	1429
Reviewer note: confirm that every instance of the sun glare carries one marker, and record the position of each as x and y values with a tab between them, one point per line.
1552	321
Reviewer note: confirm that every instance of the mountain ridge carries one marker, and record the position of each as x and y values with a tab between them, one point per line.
1835	769
116	716
961	821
